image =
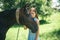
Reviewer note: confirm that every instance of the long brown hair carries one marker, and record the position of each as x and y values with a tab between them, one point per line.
35	11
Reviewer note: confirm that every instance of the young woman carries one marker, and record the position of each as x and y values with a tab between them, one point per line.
33	15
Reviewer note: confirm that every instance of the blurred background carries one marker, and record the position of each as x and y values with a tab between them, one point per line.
49	18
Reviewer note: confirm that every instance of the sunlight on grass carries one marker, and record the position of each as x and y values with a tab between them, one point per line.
55	24
12	34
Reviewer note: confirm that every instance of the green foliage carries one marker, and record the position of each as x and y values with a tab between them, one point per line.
21	3
42	6
59	1
8	4
48	2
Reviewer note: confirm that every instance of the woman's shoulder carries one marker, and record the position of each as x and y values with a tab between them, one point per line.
36	19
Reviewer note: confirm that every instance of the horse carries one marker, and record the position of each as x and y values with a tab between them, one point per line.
12	16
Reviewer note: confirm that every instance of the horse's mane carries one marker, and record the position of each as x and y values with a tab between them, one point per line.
21	11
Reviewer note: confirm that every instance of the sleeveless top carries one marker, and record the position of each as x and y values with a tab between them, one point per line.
31	35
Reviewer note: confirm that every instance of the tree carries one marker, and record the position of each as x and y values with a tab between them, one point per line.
8	4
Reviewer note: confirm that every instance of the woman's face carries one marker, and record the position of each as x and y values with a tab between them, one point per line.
32	12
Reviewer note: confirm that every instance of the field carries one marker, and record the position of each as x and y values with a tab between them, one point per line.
50	31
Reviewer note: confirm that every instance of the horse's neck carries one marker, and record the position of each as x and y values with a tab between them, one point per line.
8	16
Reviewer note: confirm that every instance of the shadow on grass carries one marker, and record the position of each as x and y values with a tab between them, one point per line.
43	22
17	25
55	35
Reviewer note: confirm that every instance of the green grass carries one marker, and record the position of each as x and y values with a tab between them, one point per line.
51	31
12	34
47	31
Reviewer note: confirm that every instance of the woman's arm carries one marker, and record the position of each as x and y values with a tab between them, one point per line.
37	33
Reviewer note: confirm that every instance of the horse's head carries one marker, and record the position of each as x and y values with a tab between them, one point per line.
22	17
